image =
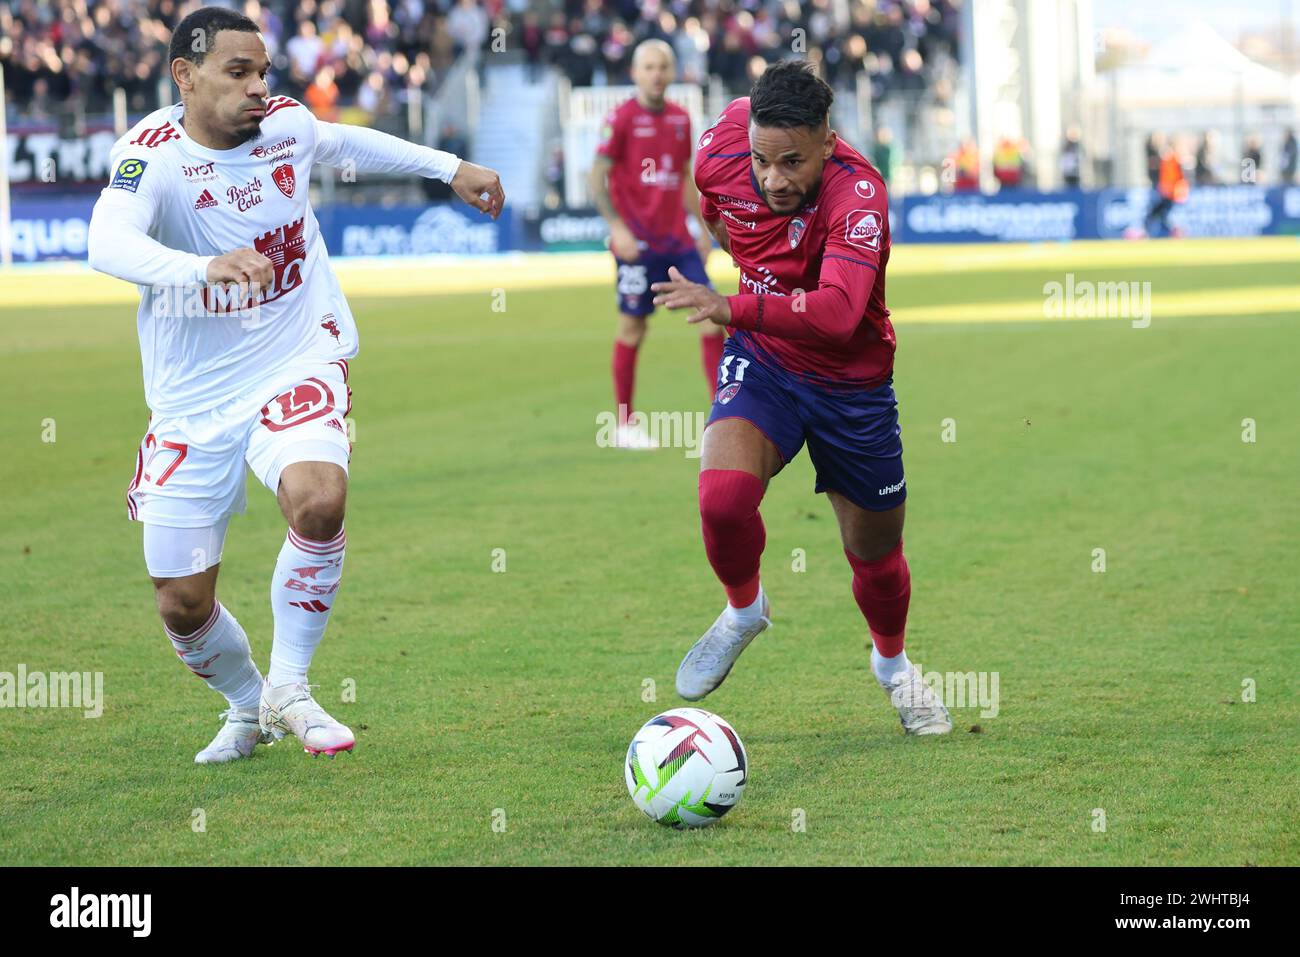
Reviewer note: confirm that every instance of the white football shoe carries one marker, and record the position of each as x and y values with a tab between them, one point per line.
237	738
290	709
630	437
711	658
919	709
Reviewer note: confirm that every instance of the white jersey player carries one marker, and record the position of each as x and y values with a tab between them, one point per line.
245	339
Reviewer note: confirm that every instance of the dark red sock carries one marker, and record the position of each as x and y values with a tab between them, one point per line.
733	530
883	589
624	376
711	353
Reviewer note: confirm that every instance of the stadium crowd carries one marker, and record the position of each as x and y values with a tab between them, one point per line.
368	54
332	54
360	61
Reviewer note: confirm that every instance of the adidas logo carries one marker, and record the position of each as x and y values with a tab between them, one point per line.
205	200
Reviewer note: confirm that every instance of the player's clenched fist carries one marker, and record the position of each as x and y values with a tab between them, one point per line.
480	187
243	267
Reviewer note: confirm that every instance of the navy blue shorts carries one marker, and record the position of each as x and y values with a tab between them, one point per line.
853	437
634	278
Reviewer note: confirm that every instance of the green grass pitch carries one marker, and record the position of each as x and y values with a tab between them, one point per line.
493	708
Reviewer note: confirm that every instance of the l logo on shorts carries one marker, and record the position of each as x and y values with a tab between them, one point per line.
727	393
303	403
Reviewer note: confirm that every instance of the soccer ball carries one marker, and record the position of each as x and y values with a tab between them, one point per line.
686	768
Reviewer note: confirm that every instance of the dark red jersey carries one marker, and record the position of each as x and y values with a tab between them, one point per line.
650	152
833	252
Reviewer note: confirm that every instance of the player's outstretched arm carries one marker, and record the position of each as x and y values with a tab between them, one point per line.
850	259
118	241
830	312
371	151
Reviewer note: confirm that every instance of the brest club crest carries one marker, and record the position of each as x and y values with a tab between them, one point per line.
283	176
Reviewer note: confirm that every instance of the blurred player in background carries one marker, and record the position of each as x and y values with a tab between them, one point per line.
810	359
209	192
1171	188
641	183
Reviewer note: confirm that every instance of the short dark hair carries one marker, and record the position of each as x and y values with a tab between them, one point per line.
196	36
790	94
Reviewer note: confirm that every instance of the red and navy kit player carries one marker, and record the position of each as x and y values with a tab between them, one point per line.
641	183
810	361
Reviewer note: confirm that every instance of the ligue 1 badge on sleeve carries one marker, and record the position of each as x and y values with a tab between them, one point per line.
795	231
127	176
283	176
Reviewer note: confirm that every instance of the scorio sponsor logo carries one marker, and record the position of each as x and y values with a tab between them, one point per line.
247	196
275	149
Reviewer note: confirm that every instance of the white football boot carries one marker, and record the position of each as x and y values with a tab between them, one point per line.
630	437
710	659
290	709
919	709
237	738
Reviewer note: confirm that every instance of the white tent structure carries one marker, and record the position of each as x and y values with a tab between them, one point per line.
1198	67
1193	80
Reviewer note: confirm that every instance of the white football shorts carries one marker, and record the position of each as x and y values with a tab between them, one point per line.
189	469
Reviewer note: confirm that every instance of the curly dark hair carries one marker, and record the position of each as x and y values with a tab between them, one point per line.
196	36
790	94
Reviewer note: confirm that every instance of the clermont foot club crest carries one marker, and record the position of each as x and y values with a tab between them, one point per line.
728	392
283	176
795	232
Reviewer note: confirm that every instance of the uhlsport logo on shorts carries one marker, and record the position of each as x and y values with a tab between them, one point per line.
891	489
727	393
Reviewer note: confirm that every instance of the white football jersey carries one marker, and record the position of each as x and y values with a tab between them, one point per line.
172	205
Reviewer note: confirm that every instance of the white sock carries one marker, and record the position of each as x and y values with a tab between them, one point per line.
887	669
219	653
747	617
303	589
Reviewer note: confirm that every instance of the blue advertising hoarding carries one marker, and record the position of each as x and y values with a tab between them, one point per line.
1025	216
414	230
49	228
44	229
